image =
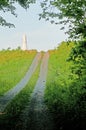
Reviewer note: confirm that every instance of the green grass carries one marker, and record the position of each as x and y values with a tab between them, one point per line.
12	112
59	68
13	66
58	77
58	82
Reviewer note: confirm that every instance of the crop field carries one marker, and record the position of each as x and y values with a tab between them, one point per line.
13	66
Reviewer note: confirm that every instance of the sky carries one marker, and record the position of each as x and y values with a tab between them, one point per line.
41	35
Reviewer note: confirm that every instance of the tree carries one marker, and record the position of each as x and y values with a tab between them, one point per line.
9	6
71	12
18	48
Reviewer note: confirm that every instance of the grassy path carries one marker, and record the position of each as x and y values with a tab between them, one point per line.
36	115
7	97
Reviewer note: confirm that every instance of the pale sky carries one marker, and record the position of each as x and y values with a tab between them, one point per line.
41	35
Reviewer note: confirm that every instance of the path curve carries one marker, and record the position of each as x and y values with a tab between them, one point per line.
36	115
8	96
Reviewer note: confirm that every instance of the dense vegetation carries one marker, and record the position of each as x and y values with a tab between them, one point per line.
13	66
65	94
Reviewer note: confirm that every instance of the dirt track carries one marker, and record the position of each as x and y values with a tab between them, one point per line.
36	115
7	97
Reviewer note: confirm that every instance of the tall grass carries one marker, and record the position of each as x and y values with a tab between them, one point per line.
64	95
13	66
59	67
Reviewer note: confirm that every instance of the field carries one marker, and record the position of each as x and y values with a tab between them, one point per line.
13	66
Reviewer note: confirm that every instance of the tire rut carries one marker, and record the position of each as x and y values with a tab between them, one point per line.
36	115
8	96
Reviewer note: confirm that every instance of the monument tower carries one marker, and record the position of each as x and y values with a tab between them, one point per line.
24	43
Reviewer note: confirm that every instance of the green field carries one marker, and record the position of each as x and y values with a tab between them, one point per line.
13	66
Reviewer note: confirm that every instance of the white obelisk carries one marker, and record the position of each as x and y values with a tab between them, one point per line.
24	44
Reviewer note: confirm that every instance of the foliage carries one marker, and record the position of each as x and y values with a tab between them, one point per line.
65	94
13	66
68	11
9	6
78	56
72	12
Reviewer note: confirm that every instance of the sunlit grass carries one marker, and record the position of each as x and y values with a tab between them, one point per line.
59	67
58	82
13	66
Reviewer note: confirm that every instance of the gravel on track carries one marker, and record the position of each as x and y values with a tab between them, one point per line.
36	115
